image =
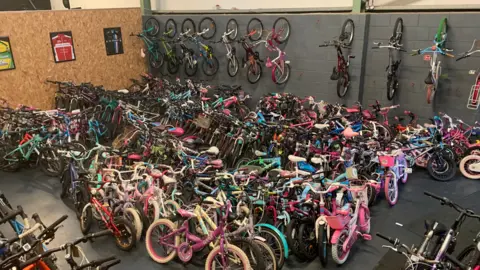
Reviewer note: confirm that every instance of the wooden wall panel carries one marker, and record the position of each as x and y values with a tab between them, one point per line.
34	61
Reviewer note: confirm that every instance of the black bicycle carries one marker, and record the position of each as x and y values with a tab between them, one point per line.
394	44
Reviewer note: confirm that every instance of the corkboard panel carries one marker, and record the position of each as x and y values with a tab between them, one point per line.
29	34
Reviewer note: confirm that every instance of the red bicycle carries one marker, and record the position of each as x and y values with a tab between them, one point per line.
340	72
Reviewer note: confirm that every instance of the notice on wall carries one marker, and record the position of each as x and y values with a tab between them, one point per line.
6	55
113	40
62	46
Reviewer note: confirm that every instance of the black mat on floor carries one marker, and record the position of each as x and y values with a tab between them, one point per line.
393	261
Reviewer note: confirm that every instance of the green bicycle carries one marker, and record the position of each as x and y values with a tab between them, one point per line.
151	29
173	62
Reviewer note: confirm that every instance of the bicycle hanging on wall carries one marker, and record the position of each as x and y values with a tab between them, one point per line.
148	35
232	60
340	72
431	82
472	102
395	43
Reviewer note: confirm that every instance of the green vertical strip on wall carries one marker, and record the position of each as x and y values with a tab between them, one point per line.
357	6
146	6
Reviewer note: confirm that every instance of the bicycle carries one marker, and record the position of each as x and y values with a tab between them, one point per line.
395	43
156	57
433	77
210	62
340	72
170	55
252	59
472	102
232	60
280	67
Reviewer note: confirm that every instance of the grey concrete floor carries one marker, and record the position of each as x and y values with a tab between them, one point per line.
39	193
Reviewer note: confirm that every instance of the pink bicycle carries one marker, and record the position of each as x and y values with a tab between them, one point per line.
280	67
165	235
349	225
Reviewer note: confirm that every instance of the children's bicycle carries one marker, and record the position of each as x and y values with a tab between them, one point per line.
155	56
431	82
252	58
210	62
340	72
280	67
395	43
475	89
232	60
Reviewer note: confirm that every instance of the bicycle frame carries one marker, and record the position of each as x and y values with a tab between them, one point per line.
28	142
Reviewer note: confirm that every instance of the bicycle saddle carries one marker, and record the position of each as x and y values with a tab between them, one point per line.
437	227
185	213
177	131
155	173
321	126
134	156
349	133
429	79
296	159
352	110
260	153
317	160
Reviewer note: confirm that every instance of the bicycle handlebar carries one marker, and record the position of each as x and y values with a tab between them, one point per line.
12	215
458	208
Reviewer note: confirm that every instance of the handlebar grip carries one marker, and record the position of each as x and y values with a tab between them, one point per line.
100	234
455	261
53	225
12	215
107	266
433	196
386	238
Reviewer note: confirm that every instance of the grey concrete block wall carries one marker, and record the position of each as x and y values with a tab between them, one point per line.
312	66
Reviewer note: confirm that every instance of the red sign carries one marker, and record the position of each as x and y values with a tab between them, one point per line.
427	57
62	45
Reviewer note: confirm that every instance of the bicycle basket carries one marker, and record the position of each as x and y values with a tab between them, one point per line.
386	161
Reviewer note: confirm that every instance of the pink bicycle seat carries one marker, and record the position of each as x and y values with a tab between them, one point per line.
287	174
216	163
176	131
185	213
352	110
349	133
367	114
156	173
205	98
134	156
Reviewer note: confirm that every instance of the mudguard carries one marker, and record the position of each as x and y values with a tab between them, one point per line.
282	237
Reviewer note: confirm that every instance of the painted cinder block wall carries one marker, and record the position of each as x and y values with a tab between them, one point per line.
312	66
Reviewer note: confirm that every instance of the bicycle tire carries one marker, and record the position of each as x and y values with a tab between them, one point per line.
466	257
232	250
213	65
275	243
212	27
82	198
132	215
285	23
153	24
342	256
392	87
233	64
86	220
347	36
50	163
252	25
190	70
232	25
268	255
252	250
391	183
186	27
398	30
125	226
343	84
308	241
448	173
466	172
156	61
257	72
172	66
293	240
275	77
323	245
170	24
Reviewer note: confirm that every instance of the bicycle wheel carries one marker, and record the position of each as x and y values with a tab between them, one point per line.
254	72
207	23
465	164
348	32
322	243
82	198
172	65
252	250
51	163
343	83
157	230
86	220
191	67
170	209
468	255
237	259
398	30
151	26
210	66
126	240
282	29
133	217
268	255
280	77
392	87
441	35
232	26
156	59
275	242
441	166
338	254
308	240
170	28
232	66
402	169
254	29
391	188
188	26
